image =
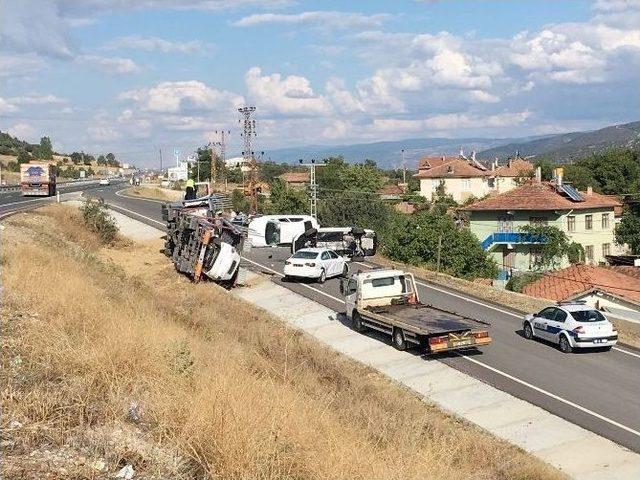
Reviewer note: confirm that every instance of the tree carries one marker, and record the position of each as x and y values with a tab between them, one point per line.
284	199
554	246
442	201
44	150
76	158
431	239
111	160
628	230
101	160
546	168
23	156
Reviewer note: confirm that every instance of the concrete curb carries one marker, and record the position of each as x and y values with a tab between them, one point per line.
577	452
574	450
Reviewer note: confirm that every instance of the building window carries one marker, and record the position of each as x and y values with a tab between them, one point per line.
605	221
588	253
588	222
538	221
606	249
571	223
466	183
535	258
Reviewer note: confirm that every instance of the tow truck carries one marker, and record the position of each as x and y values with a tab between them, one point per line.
388	301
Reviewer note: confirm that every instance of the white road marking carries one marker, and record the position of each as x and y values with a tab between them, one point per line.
473	360
43	199
555	397
138	214
506	312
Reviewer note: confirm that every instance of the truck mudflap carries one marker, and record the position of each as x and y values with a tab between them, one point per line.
458	341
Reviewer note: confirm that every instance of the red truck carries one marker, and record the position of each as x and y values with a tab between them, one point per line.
38	179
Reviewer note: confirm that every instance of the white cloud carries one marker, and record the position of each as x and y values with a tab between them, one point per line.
24	131
326	20
181	97
291	95
36	100
19	65
7	107
456	121
150	44
103	133
111	65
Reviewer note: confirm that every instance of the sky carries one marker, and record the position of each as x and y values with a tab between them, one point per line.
136	76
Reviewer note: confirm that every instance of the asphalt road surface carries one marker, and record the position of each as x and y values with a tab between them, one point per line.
597	390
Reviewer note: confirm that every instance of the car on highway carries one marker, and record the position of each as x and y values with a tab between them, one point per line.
571	325
315	263
105	181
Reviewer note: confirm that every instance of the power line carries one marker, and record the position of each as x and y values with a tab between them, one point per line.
248	132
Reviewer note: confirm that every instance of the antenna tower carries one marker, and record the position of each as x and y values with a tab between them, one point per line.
248	133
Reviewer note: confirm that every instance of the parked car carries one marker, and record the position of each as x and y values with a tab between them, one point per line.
571	325
316	263
105	181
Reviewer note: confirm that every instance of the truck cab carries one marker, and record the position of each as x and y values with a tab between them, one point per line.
388	301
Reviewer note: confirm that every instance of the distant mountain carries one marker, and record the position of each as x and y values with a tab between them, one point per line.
569	146
389	154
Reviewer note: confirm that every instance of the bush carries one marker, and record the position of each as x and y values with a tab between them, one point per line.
518	282
98	220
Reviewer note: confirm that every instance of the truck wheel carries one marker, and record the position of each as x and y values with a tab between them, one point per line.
356	320
565	346
322	277
528	332
398	339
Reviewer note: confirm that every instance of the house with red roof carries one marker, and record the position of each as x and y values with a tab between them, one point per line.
297	180
464	177
601	287
587	218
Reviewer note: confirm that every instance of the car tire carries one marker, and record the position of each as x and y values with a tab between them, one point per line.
398	340
345	271
322	277
528	331
607	348
356	322
564	345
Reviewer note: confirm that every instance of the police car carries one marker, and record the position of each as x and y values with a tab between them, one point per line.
571	325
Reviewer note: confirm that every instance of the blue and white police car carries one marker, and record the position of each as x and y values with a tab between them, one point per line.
571	325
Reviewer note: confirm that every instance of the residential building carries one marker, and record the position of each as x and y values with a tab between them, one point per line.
464	178
586	217
238	162
601	287
297	180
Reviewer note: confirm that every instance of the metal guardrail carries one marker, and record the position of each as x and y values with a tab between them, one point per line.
16	187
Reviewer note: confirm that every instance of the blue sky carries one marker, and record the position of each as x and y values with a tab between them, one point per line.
133	76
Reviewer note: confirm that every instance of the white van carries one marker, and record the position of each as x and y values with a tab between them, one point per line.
272	230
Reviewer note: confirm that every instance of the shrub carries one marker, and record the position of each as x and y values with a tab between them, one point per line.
518	282
98	220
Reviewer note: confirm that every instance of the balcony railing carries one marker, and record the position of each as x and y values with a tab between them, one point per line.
502	238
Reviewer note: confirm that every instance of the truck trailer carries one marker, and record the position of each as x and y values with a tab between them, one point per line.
38	179
388	301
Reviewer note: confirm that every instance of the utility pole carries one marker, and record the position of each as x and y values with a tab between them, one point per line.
248	132
439	250
221	144
160	161
313	185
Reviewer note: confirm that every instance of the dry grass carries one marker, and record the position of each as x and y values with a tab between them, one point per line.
628	331
114	356
155	193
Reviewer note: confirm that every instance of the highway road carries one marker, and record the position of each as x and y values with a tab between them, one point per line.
597	390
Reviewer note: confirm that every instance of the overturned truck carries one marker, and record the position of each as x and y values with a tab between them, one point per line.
201	243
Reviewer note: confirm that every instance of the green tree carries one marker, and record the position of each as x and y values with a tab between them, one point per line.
76	158
546	168
554	246
111	160
270	170
44	150
431	239
23	156
628	230
284	199
102	161
354	209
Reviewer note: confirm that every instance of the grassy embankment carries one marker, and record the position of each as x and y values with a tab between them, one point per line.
110	355
629	332
155	193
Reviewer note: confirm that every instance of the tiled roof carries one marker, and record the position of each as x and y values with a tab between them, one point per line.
431	162
514	168
626	270
540	196
391	190
295	177
455	168
570	282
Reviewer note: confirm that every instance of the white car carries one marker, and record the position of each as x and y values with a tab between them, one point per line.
317	263
571	325
105	181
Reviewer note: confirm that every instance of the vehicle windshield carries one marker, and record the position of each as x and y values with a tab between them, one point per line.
305	255
588	316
